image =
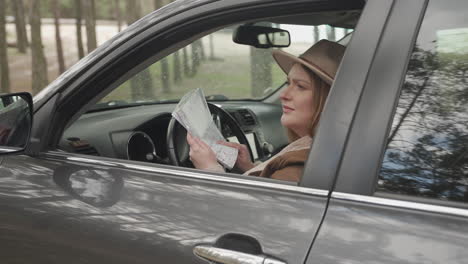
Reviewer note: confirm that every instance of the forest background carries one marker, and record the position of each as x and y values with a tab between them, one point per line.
40	39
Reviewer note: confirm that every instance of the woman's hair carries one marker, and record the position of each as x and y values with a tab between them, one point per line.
320	93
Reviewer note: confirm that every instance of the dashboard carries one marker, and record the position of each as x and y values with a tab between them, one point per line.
140	132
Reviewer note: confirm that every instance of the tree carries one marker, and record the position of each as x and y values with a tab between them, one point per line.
211	41
39	63
4	71
90	21
165	76
142	83
331	34
427	153
158	4
201	50
79	38
118	15
185	59
196	57
316	34
260	70
58	39
21	35
177	74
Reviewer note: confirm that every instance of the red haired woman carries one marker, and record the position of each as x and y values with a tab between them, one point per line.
309	78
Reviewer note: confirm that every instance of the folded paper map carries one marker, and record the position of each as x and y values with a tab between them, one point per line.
192	113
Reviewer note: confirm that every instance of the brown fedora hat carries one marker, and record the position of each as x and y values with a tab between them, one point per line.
323	58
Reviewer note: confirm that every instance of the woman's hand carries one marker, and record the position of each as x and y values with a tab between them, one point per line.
201	154
243	161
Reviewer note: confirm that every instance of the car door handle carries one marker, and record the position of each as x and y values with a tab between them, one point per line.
226	256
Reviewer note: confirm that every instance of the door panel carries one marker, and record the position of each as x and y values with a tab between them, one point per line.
71	210
336	119
359	227
372	232
362	154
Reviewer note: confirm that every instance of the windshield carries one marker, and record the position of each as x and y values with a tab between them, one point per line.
224	69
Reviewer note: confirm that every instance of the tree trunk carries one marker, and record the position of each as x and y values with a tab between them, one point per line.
407	110
133	11
202	50
39	63
90	21
331	33
176	67
118	15
142	86
4	71
196	56
316	34
165	73
146	7
21	35
58	38
260	69
186	62
79	39
176	64
142	83
212	55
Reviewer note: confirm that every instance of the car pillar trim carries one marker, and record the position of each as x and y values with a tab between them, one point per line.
400	204
186	174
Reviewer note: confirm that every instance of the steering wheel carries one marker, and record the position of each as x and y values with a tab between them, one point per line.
177	146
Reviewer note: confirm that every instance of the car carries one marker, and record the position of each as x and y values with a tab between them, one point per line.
102	174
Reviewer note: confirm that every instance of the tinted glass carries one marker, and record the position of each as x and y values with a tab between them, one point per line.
427	150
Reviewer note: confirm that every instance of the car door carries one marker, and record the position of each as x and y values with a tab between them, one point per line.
400	194
64	207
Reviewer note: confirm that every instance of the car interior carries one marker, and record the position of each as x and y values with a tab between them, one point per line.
241	82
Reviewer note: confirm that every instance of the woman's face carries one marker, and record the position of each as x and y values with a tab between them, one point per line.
297	101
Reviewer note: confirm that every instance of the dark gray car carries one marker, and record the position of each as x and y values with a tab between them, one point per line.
103	175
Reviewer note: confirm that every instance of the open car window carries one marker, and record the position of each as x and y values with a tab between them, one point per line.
225	70
133	121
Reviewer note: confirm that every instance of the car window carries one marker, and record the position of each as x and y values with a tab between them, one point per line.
223	69
427	151
133	121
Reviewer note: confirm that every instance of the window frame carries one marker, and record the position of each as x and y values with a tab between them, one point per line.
328	148
64	103
362	159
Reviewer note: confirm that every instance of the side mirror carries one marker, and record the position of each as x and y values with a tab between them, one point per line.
261	37
16	112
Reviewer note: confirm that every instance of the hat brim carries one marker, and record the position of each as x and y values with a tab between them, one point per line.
286	61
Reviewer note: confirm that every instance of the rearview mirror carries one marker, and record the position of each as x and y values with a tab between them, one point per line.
261	37
15	122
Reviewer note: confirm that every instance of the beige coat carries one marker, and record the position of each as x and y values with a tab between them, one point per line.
287	165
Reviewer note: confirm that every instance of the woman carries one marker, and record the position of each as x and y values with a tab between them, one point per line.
309	80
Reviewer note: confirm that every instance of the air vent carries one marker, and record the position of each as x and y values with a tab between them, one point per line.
82	147
246	117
